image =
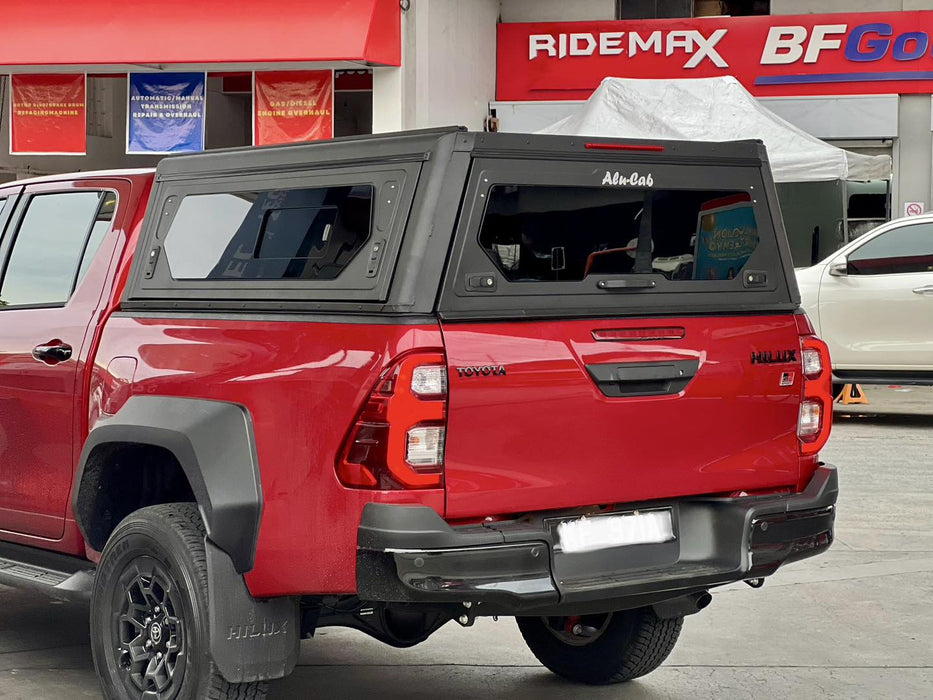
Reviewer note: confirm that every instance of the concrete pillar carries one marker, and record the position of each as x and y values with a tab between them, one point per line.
388	100
393	101
448	72
914	145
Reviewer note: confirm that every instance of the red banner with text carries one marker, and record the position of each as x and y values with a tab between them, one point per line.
48	114
293	106
831	54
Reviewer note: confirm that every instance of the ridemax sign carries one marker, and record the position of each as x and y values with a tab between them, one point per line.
887	52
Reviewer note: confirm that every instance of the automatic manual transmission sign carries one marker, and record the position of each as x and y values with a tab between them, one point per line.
854	53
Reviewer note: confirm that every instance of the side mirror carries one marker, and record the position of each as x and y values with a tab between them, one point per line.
839	268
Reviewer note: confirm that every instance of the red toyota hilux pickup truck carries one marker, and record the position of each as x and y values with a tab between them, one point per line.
395	381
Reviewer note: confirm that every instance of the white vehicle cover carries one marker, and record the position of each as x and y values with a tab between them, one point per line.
714	109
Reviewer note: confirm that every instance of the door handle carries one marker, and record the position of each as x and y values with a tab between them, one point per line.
54	352
928	289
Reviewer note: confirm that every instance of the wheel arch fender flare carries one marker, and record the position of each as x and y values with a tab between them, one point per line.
213	442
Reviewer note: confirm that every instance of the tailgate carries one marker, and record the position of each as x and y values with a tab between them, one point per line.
555	414
619	326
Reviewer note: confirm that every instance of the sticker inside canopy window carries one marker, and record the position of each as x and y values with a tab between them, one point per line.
727	235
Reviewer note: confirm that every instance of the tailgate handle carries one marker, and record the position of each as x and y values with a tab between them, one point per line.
636	283
643	378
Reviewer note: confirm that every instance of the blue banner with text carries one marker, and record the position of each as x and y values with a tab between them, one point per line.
166	112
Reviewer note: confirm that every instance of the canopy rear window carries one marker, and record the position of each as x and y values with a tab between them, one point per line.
538	233
642	235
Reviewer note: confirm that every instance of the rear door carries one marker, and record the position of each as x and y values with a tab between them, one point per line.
53	261
615	334
880	314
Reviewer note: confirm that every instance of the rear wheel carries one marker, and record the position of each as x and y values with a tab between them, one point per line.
149	631
601	649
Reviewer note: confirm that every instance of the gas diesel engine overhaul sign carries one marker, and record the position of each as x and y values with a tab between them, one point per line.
292	106
874	52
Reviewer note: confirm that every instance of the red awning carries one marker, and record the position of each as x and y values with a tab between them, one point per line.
168	33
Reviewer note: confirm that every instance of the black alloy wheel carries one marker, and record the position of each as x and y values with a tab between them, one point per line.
149	632
150	636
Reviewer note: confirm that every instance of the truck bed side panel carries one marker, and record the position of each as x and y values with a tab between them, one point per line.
303	384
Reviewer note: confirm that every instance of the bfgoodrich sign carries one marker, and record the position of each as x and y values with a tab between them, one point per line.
878	52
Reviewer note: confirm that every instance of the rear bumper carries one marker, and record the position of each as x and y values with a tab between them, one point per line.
410	554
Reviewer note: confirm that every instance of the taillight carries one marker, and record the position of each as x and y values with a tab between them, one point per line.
811	419
812	362
397	440
429	381
816	407
425	447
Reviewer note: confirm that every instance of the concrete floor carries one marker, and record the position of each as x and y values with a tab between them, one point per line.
854	623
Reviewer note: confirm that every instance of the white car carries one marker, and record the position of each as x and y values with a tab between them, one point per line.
872	302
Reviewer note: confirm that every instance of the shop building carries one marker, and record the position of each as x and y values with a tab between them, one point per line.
396	65
408	64
858	75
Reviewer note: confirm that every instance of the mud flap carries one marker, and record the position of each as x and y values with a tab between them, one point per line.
251	640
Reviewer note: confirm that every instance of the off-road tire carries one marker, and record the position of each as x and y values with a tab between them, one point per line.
158	544
630	644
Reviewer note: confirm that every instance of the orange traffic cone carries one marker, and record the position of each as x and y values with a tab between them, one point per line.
851	393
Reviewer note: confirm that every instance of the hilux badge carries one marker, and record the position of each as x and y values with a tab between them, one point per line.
775	357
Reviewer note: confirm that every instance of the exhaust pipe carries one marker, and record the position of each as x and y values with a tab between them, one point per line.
683	606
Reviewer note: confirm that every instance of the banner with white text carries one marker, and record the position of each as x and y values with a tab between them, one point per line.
48	114
293	106
165	113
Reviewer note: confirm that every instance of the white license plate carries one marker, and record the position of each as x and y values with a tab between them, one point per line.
604	531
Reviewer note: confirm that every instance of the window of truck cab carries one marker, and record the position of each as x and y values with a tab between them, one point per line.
49	248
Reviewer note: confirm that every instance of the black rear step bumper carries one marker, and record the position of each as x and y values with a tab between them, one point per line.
410	554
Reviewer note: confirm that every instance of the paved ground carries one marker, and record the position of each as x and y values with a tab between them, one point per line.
855	623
